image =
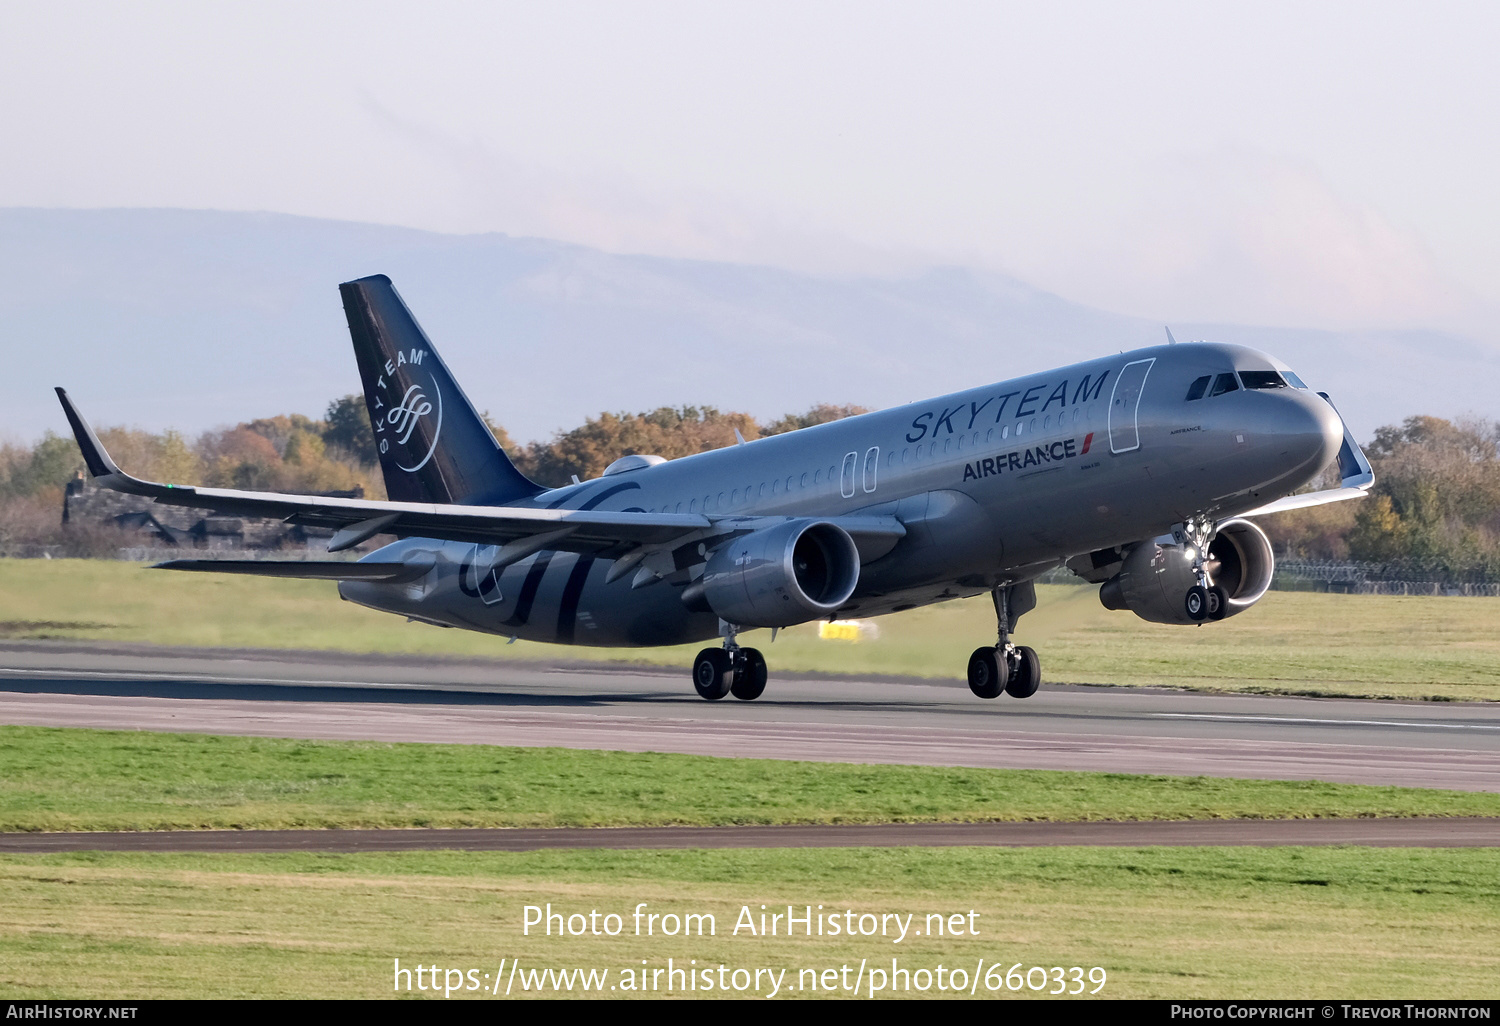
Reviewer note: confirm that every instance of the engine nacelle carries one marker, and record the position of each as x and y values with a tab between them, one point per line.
779	576
1154	580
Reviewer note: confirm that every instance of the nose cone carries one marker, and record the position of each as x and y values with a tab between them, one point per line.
1304	431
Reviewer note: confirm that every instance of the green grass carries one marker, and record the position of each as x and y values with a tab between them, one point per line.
1323	923
73	779
1289	643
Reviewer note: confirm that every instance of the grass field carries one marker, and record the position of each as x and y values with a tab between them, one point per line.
1290	643
69	779
1161	923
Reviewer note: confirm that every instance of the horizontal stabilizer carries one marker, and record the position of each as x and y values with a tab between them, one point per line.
302	569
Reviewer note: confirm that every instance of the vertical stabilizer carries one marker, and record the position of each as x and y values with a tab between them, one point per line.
433	446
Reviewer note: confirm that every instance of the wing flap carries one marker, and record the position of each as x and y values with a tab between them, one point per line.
302	569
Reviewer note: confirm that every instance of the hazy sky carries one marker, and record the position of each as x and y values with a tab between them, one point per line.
1318	164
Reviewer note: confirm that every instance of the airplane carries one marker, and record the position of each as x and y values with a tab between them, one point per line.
1140	472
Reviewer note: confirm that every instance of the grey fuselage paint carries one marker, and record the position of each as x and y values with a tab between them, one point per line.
995	485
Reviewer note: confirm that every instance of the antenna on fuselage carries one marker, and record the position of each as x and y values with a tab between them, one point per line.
1170	340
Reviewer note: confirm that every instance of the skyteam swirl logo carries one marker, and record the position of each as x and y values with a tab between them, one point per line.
412	404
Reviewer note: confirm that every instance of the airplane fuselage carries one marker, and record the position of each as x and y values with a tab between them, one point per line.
995	485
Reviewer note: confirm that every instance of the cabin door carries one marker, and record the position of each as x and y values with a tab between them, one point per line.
1124	406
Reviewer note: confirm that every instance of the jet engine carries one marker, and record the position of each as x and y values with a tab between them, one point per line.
1154	579
778	576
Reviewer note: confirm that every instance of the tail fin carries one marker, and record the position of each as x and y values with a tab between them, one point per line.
433	446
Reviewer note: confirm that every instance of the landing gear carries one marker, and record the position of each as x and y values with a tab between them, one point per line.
1196	603
749	675
1218	603
730	670
988	673
1204	600
1007	668
713	673
1025	673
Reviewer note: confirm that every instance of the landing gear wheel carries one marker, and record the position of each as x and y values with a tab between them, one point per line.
749	675
1025	675
1196	603
713	673
987	673
1218	603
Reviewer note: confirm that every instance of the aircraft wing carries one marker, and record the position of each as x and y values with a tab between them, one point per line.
1355	473
517	531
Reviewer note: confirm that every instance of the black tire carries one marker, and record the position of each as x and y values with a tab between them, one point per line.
750	676
987	673
1218	603
1196	603
713	674
1026	675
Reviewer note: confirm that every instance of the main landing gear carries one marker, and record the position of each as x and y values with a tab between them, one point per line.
730	670
1004	667
1204	600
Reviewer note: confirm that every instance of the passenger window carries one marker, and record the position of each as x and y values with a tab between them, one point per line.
1005	431
803	482
1224	383
693	506
1198	387
989	436
1020	429
734	498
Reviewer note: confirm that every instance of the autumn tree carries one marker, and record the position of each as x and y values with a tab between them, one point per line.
1436	499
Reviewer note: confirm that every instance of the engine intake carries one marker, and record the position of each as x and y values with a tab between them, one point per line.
779	576
1154	579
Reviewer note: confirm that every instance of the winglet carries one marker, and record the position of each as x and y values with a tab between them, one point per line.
1170	340
99	463
1354	468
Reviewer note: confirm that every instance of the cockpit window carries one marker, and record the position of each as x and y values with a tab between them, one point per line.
1262	379
1293	380
1224	383
1197	388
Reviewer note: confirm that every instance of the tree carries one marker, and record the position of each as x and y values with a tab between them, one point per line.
822	413
1436	497
348	429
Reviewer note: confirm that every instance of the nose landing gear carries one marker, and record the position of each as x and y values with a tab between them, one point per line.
1204	600
730	670
1004	667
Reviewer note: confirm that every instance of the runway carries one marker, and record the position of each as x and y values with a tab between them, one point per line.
1379	833
336	696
